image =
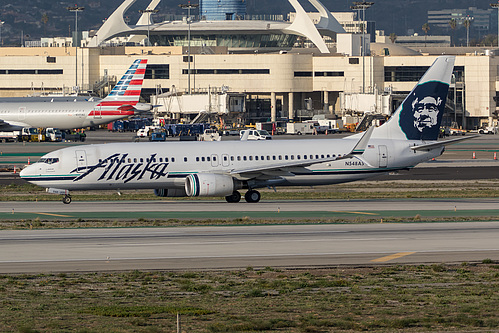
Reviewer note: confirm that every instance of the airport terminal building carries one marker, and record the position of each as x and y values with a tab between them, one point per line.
280	81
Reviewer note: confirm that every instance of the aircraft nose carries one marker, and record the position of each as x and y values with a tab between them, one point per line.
27	171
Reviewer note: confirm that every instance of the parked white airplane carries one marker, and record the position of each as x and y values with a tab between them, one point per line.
77	112
221	168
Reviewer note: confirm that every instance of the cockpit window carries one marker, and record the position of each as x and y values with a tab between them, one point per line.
49	160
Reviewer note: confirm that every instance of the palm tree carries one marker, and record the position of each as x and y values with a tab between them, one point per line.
453	25
393	37
426	28
467	23
45	19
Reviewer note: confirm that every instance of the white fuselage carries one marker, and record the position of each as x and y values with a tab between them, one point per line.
167	164
55	112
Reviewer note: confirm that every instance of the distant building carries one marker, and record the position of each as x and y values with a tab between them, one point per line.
222	10
417	40
483	19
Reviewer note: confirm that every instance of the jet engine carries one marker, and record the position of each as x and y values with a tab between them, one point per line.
168	192
207	184
143	107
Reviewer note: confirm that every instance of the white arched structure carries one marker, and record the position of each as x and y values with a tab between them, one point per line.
302	25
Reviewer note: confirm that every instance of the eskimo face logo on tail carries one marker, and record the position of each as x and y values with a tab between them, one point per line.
426	112
422	111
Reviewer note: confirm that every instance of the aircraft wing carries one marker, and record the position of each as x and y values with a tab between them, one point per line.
288	168
442	143
12	126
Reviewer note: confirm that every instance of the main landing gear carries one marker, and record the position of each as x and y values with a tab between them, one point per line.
250	196
66	199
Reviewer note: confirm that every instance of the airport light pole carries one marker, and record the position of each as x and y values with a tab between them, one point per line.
496	5
149	12
188	6
1	40
76	9
363	5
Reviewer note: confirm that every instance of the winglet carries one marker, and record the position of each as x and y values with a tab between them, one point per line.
361	146
245	136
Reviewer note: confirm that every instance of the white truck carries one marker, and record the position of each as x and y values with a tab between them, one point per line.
9	136
300	128
30	134
256	135
53	134
210	134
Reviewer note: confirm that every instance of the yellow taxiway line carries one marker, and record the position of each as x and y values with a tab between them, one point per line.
49	214
393	256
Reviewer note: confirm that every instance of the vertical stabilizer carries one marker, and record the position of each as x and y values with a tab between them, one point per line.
126	94
420	115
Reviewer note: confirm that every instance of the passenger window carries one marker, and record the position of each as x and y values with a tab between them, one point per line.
185	159
239	158
251	158
232	158
135	160
273	157
225	158
268	158
317	156
197	159
322	156
173	159
214	158
292	157
327	155
256	158
208	159
166	159
297	157
244	158
202	158
141	160
161	159
304	157
280	157
286	157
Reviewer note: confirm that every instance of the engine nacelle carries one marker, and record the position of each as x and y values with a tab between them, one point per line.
143	107
208	184
168	192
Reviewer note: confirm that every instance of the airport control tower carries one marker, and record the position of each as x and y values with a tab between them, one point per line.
222	10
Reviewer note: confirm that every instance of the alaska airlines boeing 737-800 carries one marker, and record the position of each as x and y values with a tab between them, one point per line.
222	168
77	112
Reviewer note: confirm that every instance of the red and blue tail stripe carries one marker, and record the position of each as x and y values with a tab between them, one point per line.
125	94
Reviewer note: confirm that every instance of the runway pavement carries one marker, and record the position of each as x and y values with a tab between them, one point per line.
241	247
284	209
257	246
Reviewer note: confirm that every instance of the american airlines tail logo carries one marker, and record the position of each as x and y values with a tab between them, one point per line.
126	93
116	168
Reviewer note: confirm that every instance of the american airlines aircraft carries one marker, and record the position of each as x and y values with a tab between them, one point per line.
222	168
77	112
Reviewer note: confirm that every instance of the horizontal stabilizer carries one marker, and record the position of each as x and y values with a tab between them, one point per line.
442	143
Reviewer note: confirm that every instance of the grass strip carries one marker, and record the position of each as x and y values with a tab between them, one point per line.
409	298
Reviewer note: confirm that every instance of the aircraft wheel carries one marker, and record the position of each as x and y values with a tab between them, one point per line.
234	197
252	196
66	199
